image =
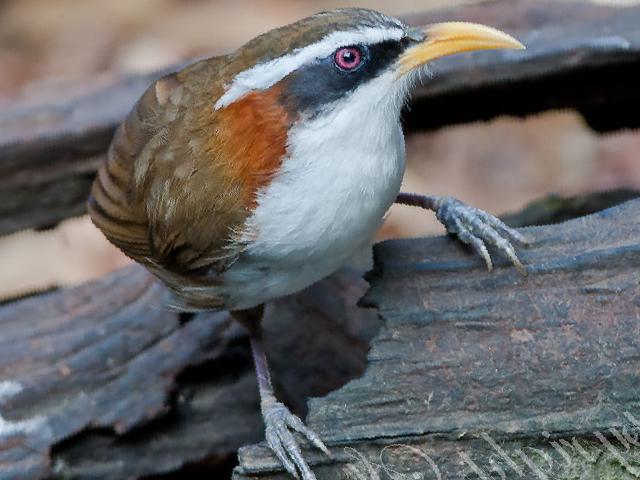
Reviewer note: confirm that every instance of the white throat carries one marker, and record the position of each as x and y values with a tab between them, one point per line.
342	174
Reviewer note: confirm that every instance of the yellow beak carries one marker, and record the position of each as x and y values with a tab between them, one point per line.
447	38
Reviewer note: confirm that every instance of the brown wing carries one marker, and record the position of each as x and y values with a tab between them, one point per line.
161	196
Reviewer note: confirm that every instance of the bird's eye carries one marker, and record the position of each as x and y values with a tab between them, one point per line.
348	58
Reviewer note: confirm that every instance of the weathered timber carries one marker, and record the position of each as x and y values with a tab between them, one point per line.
470	364
558	208
579	56
102	382
49	152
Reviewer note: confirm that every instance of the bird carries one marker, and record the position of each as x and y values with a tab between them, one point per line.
247	177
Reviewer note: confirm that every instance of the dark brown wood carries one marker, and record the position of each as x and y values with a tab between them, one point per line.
557	208
102	381
49	152
579	56
466	358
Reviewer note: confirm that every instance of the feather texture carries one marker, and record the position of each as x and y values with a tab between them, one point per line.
180	180
186	186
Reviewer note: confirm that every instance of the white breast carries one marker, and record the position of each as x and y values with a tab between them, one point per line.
343	172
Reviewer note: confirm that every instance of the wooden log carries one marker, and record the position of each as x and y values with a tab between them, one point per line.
579	56
478	374
49	152
101	381
558	208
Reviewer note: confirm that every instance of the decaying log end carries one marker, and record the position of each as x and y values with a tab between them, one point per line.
101	381
467	360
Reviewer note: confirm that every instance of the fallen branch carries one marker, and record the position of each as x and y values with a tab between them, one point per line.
468	360
101	381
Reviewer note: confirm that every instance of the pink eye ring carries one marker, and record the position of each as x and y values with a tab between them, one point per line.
348	58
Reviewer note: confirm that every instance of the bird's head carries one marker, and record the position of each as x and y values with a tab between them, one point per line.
347	59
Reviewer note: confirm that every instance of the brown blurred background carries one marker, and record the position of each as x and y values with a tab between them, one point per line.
499	166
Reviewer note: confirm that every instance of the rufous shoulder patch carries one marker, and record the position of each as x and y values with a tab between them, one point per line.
251	138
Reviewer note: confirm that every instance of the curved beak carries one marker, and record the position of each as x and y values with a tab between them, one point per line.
441	39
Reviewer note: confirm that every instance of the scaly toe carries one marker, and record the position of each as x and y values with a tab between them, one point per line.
476	227
297	424
495	222
279	422
273	440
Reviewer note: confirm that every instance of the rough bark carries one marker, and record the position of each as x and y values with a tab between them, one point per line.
468	363
579	56
101	381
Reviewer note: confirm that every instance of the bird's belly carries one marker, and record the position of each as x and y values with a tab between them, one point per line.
305	230
293	266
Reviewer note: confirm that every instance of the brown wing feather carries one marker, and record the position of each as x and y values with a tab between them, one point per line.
167	204
180	180
113	205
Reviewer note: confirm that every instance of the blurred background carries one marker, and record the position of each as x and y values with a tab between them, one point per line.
499	166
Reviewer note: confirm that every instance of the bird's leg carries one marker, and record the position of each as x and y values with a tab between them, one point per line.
471	225
279	421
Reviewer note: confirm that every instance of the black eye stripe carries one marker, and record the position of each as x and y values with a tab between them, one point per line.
322	82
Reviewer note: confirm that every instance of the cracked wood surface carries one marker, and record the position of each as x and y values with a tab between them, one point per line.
466	358
579	56
101	381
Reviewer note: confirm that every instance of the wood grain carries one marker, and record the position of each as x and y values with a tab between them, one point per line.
579	56
101	381
465	356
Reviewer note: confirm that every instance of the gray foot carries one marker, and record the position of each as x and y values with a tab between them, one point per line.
280	422
475	227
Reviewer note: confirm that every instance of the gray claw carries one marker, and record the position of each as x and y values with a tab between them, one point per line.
274	442
495	222
477	244
476	227
297	424
279	420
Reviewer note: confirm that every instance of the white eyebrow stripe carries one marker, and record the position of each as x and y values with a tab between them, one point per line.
265	75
